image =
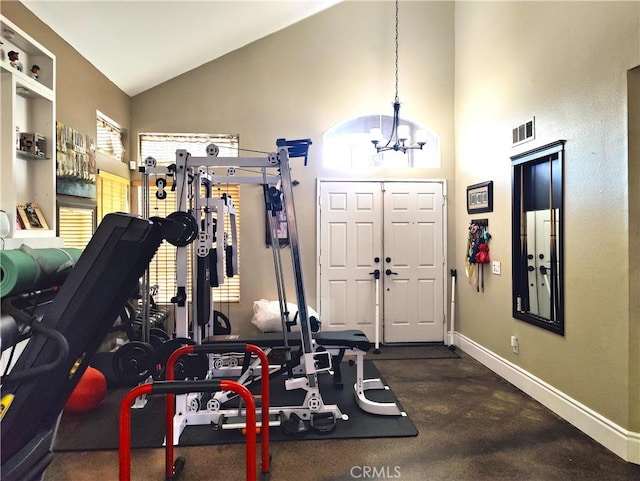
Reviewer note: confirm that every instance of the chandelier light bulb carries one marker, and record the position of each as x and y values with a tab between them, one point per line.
421	136
376	135
403	133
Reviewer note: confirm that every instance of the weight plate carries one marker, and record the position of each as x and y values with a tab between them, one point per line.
221	324
165	350
134	362
160	333
189	228
155	341
192	366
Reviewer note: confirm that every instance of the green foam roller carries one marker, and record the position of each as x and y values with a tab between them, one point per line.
26	268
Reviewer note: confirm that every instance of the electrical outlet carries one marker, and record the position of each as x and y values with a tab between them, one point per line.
514	344
495	267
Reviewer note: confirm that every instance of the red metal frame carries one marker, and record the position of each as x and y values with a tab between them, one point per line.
170	388
170	399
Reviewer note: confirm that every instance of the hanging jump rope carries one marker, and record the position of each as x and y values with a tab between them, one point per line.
477	253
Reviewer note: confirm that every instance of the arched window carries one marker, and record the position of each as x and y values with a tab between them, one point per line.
348	145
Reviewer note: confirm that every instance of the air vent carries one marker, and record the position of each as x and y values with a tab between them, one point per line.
524	132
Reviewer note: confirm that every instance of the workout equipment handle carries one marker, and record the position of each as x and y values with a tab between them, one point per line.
18	316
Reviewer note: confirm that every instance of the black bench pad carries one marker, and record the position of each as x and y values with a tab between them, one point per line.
350	338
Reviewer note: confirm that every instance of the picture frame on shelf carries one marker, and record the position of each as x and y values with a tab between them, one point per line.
480	197
31	217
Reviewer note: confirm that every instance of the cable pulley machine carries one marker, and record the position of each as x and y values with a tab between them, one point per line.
193	181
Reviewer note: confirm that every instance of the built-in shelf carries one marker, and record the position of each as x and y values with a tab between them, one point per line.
27	105
30	156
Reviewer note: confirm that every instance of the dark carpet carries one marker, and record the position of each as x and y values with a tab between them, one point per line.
412	351
99	429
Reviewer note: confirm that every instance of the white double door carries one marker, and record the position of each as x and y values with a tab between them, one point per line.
396	228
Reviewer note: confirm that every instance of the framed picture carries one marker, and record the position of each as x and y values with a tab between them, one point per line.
480	197
31	216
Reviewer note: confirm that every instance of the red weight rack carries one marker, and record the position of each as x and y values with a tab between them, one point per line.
264	382
170	388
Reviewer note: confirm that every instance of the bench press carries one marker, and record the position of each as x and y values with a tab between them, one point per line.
350	343
330	348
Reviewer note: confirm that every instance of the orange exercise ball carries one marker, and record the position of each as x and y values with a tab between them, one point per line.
89	393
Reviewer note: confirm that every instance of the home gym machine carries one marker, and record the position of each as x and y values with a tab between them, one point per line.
308	354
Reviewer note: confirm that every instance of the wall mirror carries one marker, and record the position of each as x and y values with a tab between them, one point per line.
537	236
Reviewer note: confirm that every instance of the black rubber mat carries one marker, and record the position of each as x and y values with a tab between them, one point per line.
397	352
99	428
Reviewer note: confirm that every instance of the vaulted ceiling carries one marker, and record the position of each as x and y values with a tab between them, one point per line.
141	43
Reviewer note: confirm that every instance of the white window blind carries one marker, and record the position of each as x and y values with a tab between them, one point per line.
162	147
109	137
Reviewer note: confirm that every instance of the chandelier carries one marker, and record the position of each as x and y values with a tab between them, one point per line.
400	139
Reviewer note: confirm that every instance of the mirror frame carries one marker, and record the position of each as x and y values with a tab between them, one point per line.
524	177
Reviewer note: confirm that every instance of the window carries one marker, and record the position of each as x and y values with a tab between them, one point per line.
109	137
348	145
78	217
76	220
162	147
113	194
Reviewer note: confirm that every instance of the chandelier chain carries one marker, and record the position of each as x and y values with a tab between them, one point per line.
397	141
397	99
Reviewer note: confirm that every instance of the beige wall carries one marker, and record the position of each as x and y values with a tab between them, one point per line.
565	63
299	82
81	89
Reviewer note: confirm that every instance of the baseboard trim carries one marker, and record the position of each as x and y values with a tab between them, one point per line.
620	441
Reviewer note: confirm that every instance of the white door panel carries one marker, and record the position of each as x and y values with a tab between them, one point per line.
400	222
350	239
413	247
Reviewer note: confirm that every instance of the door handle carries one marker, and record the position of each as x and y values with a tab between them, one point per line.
390	272
376	274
